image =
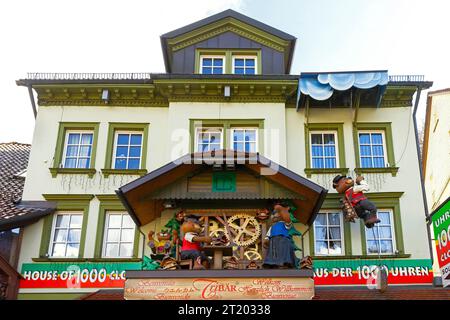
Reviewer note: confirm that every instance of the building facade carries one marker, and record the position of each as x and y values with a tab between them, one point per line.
227	86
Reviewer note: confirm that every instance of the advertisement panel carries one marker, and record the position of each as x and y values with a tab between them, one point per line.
326	273
219	289
441	226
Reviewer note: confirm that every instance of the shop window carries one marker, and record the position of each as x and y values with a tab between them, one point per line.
372	149
245	139
127	150
380	238
209	139
244	65
78	149
328	234
212	64
324	150
119	235
65	238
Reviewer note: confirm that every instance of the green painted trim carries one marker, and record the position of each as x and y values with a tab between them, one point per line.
58	260
113	126
50	296
115	260
347	235
383	126
111	203
339	128
391	200
227	124
135	172
224	25
310	171
391	170
228	55
362	257
59	148
65	202
55	171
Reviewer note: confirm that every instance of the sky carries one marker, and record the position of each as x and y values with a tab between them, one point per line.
402	36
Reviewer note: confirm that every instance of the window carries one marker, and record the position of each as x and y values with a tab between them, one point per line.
372	149
244	65
208	139
66	234
212	65
380	238
119	235
245	139
127	150
324	150
328	234
78	149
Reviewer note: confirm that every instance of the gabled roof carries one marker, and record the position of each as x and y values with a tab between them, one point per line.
14	212
143	209
218	23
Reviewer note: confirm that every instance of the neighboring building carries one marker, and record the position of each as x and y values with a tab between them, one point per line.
436	148
436	153
227	86
14	214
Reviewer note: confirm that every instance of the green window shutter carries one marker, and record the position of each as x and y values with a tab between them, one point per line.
224	182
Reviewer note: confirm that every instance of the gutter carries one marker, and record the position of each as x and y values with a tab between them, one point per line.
422	178
33	103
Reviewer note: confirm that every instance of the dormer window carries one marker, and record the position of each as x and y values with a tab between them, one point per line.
244	64
212	64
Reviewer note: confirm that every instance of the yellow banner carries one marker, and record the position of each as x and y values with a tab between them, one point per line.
219	289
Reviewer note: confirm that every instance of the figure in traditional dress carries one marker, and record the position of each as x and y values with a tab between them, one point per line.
354	195
191	246
280	249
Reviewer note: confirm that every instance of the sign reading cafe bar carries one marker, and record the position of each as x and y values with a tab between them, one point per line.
326	272
441	226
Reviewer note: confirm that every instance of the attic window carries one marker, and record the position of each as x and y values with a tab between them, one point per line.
244	65
212	64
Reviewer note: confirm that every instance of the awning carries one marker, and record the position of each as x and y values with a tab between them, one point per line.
328	85
143	208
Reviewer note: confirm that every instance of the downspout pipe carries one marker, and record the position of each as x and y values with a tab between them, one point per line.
33	103
422	178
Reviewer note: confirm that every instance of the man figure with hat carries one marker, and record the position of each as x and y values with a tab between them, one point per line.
365	209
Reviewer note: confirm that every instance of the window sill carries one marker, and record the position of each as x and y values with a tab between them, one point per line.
58	259
363	257
311	171
56	171
86	259
135	172
391	170
114	260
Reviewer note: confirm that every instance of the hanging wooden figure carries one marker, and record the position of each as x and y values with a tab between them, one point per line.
354	201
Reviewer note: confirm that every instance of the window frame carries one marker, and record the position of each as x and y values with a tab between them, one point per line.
116	136
60	148
65	202
336	144
211	56
110	202
389	145
111	144
245	57
394	240
256	129
383	135
105	235
53	231
342	239
66	140
197	129
228	55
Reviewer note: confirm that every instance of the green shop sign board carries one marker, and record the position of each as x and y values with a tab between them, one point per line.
441	226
